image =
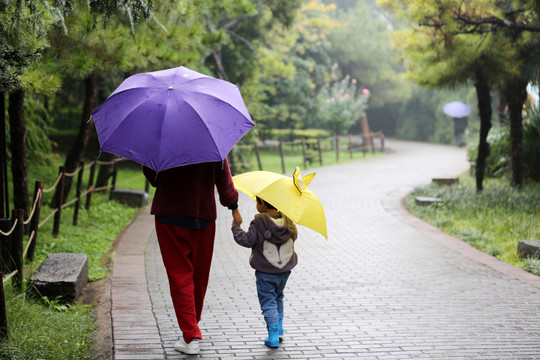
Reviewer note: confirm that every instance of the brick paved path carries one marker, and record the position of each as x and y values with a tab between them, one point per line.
385	285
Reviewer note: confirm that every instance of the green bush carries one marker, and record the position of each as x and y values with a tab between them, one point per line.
297	134
531	145
499	161
532	266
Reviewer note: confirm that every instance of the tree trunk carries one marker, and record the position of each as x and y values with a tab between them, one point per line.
105	171
78	149
484	107
501	109
19	162
516	94
221	73
4	199
366	132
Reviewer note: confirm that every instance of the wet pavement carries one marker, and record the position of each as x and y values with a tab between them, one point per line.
384	286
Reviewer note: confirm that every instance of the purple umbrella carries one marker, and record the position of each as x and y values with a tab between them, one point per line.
172	117
457	109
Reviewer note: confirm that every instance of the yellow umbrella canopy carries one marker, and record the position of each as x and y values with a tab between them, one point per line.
291	196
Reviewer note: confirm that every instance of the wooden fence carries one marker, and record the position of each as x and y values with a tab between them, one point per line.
313	150
12	231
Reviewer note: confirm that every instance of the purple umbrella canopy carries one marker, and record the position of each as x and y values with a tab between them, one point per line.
457	109
172	117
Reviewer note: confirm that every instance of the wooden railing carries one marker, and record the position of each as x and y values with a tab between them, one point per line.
313	150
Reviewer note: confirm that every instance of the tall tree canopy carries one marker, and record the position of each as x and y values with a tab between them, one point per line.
453	42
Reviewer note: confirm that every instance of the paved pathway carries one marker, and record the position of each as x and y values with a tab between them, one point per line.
385	285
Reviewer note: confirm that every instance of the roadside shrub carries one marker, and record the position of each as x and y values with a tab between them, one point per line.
531	145
296	134
493	221
532	266
499	162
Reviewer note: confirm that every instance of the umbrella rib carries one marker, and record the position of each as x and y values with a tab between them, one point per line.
124	119
222	102
207	128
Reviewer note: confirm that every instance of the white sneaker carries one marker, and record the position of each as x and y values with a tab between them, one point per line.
191	349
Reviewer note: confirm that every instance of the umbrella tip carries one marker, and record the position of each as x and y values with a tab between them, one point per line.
170	87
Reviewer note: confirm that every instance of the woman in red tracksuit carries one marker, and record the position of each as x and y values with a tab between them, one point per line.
185	212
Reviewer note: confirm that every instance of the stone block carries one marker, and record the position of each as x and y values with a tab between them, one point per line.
445	181
62	274
129	197
529	249
423	201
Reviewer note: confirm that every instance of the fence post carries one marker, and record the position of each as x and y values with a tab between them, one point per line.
350	146
78	194
90	184
282	157
113	182
304	152
6	262
3	315
38	189
60	192
256	148
364	144
17	239
320	150
337	149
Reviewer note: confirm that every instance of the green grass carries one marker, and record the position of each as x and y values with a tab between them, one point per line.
271	158
493	221
40	331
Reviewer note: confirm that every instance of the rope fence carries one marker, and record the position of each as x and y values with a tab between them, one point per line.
10	231
14	250
18	225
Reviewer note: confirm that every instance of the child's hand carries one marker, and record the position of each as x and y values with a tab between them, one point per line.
237	218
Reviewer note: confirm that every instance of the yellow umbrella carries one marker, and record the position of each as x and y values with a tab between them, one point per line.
289	195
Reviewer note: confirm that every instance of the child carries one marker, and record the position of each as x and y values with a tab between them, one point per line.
271	237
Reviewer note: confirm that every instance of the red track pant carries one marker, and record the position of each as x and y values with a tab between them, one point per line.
187	255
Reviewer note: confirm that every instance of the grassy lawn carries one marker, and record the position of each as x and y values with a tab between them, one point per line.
271	159
46	330
493	221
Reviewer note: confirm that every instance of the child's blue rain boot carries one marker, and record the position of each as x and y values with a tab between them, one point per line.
273	336
280	324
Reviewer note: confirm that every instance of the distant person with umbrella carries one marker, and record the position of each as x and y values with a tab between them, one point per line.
180	125
459	111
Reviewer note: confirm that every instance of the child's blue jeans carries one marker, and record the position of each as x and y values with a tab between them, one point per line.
270	290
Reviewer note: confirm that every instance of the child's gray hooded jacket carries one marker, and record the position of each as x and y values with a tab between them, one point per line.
271	242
